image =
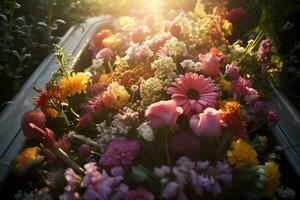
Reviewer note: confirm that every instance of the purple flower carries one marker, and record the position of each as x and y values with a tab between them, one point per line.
95	89
185	164
201	175
92	175
184	143
140	194
232	71
93	106
162	171
71	178
171	190
120	192
259	106
241	86
102	185
120	152
273	116
104	54
265	50
84	150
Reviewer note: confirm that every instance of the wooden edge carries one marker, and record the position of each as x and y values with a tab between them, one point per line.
286	131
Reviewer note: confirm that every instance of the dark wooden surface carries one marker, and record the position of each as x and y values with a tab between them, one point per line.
287	130
11	137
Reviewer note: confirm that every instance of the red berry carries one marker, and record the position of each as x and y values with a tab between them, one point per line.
37	118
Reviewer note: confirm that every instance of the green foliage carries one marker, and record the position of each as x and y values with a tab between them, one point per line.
273	13
280	20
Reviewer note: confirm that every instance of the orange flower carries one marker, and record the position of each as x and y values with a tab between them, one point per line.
73	84
232	116
115	96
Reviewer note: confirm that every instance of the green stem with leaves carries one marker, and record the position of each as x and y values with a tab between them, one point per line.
12	8
167	148
50	22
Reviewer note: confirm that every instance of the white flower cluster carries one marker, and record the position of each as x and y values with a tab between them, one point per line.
34	195
236	48
151	90
96	66
175	48
165	70
286	193
190	65
120	125
105	134
146	132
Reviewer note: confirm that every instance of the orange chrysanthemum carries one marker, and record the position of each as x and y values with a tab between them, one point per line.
232	116
116	96
74	84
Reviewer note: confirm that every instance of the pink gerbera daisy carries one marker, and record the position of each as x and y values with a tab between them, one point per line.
194	93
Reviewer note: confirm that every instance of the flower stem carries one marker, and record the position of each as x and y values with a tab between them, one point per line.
65	158
256	128
84	139
167	150
110	67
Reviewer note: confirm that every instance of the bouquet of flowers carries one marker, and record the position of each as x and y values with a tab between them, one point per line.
167	110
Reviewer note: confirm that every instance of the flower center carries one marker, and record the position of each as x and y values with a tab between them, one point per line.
192	94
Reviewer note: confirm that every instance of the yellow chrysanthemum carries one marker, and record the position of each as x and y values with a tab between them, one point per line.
75	83
242	155
103	78
126	23
116	96
27	158
271	178
224	84
112	41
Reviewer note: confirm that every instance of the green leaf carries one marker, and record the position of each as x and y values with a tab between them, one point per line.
16	53
139	173
199	9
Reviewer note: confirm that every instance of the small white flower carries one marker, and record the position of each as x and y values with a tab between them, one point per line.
146	132
286	193
96	66
134	88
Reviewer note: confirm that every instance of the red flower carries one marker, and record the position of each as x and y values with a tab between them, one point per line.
44	135
99	37
236	15
37	118
175	30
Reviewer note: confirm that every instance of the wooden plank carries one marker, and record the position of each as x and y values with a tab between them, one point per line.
287	130
11	137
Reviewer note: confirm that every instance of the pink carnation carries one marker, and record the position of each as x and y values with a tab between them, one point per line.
163	113
184	143
159	40
232	71
104	54
119	153
193	93
207	124
138	34
210	65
